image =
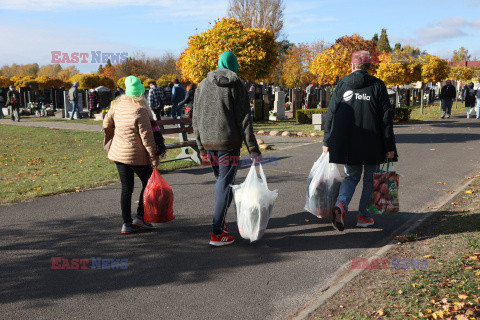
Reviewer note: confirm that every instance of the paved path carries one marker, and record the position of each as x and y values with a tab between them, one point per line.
172	272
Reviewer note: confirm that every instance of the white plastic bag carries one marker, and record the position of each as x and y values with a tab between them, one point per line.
254	203
323	185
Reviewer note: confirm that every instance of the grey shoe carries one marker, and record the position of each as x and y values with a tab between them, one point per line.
138	221
128	228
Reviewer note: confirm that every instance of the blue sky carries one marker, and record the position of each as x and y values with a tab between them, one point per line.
31	29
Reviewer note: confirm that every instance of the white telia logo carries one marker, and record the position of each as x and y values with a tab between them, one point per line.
347	96
362	97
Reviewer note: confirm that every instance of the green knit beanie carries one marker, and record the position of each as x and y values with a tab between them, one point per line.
133	87
228	60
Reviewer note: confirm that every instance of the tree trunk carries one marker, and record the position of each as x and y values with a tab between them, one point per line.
421	100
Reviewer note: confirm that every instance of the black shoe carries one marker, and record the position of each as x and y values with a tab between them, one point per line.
338	217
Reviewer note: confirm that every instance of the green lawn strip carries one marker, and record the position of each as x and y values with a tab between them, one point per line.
448	289
36	162
285	125
433	111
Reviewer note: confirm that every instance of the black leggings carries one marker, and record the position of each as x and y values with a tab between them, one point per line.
126	173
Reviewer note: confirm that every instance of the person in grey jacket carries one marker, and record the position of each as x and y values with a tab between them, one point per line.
222	122
73	97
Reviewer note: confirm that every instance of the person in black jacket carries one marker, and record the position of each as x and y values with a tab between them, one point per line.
469	98
13	102
358	134
447	95
188	101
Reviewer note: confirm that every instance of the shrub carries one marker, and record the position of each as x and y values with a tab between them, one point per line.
305	116
402	114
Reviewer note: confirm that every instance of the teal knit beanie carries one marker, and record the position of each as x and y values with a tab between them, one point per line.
133	87
228	60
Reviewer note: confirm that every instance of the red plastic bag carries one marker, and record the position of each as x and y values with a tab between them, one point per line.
385	192
158	200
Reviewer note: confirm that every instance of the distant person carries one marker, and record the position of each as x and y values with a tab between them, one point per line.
93	101
156	99
470	98
73	97
309	96
132	148
464	91
118	92
188	101
447	96
477	95
168	93
359	135
178	94
222	122
2	103
13	102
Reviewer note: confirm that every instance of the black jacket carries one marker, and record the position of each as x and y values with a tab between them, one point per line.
448	92
188	99
470	96
359	121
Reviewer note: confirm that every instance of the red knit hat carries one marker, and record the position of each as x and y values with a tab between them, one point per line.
361	57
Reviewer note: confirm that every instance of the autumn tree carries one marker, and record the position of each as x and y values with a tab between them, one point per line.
165	79
5	82
461	55
267	14
48	82
67	73
375	38
255	49
398	46
49	70
121	82
100	69
434	69
21	70
152	67
295	71
109	72
334	63
461	73
383	45
146	81
411	50
86	81
19	81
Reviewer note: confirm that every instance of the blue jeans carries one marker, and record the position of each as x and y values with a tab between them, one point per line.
353	173
224	165
477	108
176	111
75	109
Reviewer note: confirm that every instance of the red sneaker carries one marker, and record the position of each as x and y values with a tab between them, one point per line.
362	222
338	217
221	240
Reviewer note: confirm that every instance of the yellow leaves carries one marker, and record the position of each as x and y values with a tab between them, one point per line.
255	49
461	73
470	191
428	256
380	312
462	297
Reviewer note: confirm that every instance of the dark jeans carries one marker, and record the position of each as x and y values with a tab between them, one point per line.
159	113
446	107
224	165
126	173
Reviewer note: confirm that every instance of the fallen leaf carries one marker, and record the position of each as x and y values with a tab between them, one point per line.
432	207
469	191
432	149
381	312
444	183
306	220
428	256
463	296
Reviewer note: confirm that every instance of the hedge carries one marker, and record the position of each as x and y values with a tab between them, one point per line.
304	116
402	114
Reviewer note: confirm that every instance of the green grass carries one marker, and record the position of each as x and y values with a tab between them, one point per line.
433	111
36	162
284	125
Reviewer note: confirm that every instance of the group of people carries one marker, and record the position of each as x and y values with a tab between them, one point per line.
176	95
470	94
358	133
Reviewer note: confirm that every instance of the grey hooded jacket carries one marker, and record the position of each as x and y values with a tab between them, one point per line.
221	113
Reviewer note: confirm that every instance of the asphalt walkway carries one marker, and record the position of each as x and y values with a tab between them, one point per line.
172	272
